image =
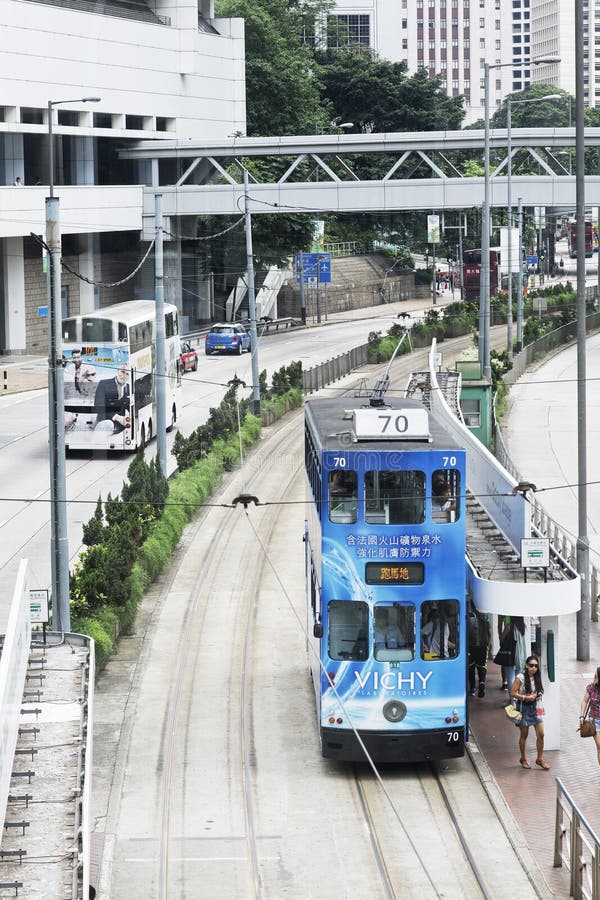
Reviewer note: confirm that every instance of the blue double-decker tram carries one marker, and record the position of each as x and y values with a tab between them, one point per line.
385	564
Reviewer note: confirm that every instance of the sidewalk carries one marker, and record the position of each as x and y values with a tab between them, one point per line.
531	794
23	373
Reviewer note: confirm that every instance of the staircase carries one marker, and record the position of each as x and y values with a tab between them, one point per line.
419	388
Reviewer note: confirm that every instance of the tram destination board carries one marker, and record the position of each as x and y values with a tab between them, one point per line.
394	573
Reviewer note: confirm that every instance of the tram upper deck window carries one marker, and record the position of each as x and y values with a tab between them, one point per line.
394	632
343	491
445	495
395	497
439	629
348	636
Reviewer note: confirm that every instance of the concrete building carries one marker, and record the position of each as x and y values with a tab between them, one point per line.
161	69
453	38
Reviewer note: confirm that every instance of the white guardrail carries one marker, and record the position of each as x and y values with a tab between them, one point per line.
13	668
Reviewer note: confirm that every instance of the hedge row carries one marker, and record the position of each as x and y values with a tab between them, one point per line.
107	569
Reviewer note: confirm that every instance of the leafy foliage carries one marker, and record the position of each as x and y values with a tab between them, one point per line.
377	95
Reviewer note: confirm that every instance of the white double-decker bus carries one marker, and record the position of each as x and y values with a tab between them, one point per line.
110	375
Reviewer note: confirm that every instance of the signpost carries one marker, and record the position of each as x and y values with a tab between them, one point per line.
39	608
433	237
535	554
314	269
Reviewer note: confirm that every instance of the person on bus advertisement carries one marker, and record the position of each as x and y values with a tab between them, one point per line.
80	378
113	399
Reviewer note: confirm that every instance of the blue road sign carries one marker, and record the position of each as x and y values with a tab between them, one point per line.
531	260
316	268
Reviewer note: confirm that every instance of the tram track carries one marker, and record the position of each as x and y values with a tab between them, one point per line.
243	804
205	585
437	859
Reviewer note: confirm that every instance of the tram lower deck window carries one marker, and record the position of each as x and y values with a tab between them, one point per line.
348	634
439	629
394	632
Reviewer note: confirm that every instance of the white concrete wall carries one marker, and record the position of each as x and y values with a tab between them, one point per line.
136	68
15	320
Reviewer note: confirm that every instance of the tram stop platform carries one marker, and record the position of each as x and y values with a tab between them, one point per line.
531	794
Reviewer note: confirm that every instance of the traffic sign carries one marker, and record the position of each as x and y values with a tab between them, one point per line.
532	260
316	268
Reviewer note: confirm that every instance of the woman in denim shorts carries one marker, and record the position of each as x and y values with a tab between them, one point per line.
592	696
527	691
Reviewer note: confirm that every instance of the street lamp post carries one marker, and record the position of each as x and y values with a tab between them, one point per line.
509	318
583	546
59	548
484	298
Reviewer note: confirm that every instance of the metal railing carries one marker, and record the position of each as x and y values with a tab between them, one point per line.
564	543
576	847
318	377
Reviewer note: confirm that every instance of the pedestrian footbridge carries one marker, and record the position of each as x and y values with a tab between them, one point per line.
317	173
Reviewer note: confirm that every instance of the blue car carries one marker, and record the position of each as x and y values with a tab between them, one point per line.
227	338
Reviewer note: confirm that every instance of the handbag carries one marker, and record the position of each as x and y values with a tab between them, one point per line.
587	727
506	654
514	714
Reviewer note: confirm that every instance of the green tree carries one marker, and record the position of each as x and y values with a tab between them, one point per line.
378	95
282	89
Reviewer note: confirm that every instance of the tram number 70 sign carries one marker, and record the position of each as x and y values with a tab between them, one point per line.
391	424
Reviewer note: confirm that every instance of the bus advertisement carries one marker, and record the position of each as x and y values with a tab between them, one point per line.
109	359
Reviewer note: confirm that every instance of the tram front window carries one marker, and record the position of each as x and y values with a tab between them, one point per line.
348	636
395	497
394	632
343	491
439	629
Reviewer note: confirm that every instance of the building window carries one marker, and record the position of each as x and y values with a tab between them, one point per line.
482	43
405	23
349	30
482	23
405	43
497	45
497	24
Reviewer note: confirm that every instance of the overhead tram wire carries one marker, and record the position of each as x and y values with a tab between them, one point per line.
478	496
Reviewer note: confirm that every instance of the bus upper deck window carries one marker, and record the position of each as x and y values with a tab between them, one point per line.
343	491
122	331
445	495
69	330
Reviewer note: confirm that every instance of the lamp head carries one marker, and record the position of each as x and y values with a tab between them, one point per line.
545	60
